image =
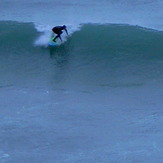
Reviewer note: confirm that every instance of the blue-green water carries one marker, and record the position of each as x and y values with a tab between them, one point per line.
97	54
95	98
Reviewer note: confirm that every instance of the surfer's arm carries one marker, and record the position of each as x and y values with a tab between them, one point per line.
66	31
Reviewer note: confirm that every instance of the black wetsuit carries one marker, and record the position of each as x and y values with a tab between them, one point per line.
58	31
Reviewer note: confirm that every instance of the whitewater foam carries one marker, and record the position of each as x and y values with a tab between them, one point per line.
46	32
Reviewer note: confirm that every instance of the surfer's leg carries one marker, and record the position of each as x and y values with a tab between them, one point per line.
55	38
58	35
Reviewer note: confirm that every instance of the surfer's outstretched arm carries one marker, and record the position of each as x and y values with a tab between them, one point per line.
66	31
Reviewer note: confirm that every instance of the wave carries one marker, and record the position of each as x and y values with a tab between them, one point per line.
115	39
95	53
134	41
16	35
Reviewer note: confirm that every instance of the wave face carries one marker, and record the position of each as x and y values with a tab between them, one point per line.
98	53
117	53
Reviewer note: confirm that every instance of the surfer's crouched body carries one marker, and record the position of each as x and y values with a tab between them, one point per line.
58	30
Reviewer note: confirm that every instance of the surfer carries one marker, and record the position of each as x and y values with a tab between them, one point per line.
58	30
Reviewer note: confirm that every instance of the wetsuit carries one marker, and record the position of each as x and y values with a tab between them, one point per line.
58	30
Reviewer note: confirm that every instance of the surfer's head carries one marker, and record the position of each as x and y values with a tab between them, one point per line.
64	27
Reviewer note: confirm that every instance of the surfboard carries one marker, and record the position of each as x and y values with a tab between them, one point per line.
51	42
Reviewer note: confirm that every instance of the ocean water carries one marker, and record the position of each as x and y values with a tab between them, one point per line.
95	98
